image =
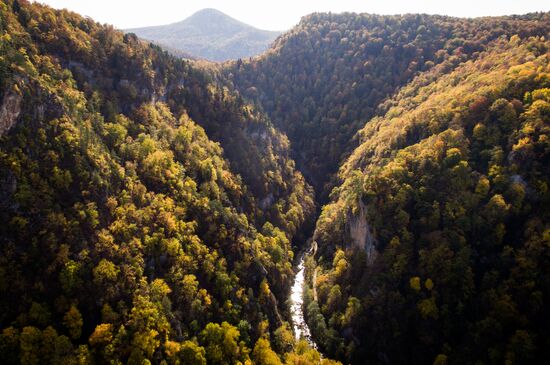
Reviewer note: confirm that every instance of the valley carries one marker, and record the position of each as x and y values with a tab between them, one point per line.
370	189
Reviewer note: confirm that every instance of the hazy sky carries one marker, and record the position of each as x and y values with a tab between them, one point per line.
282	14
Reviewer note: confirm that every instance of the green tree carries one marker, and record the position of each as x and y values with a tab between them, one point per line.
221	344
192	354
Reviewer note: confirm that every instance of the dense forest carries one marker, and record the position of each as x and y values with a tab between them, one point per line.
147	211
152	210
434	247
323	80
454	262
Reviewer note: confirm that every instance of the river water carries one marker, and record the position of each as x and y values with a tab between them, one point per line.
301	329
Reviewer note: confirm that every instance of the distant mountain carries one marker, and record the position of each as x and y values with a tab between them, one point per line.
210	34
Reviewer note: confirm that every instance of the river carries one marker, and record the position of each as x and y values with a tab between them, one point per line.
301	329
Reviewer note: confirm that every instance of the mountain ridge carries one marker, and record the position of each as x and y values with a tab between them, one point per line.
210	34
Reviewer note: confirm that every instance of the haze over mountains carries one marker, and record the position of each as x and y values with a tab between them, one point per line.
210	34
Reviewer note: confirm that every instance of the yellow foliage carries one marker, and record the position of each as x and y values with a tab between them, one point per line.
414	283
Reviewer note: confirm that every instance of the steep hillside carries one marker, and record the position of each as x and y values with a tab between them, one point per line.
436	246
326	77
148	211
212	35
150	205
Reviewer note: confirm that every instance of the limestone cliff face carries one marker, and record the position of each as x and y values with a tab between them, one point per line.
9	111
360	232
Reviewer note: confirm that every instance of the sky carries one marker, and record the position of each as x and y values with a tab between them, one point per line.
281	14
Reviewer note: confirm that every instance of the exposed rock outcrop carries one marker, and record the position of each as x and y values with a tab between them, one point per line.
9	111
360	232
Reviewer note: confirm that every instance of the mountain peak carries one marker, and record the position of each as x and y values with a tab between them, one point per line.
210	34
209	17
208	11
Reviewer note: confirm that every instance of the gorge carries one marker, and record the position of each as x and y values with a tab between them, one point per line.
158	210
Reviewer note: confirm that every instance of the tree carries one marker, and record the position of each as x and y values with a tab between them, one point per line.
284	339
192	354
31	345
73	322
221	344
263	354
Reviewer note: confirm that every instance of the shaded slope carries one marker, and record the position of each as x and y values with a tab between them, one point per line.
326	77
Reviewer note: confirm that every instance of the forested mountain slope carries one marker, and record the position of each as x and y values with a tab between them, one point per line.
325	78
148	204
212	35
128	234
436	247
